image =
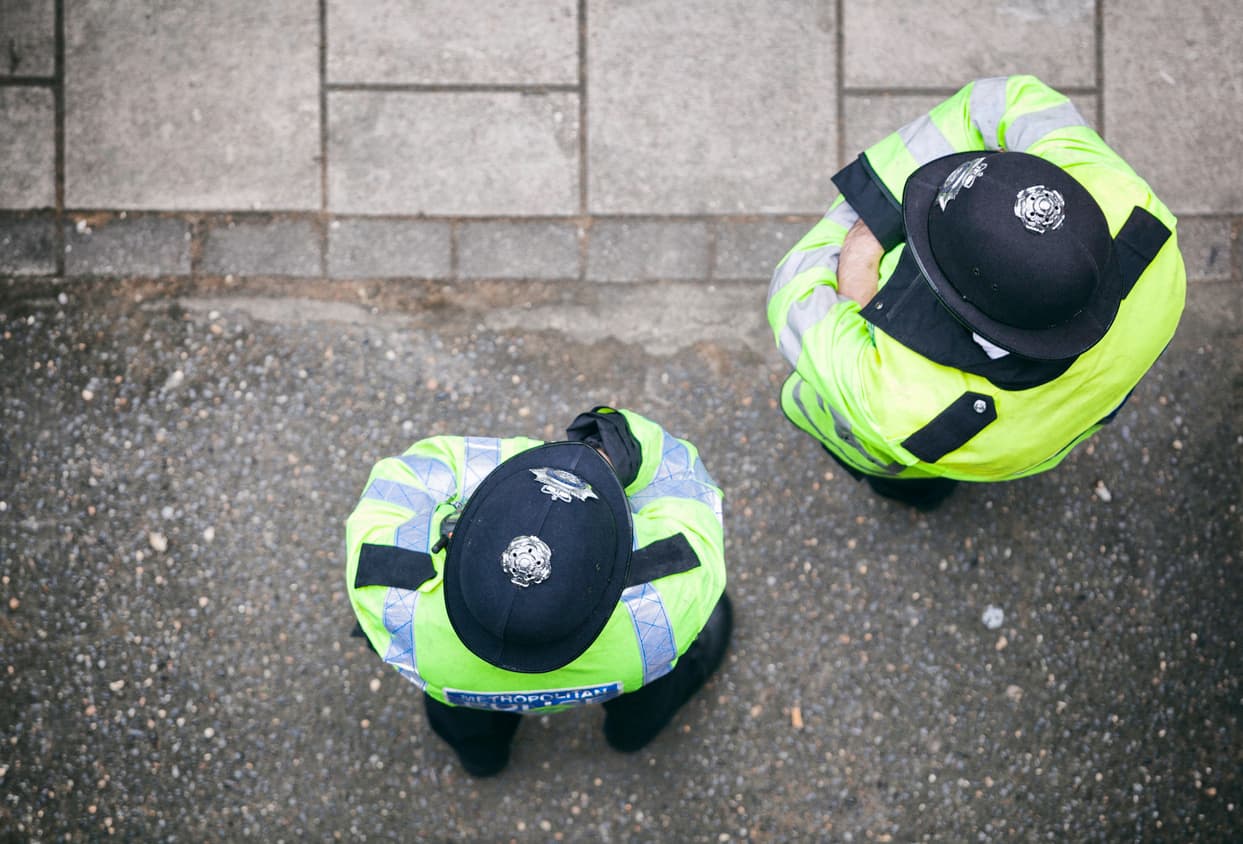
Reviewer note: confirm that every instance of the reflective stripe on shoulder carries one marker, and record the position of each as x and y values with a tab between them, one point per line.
1026	130
797	263
399	608
925	141
678	476
804	314
841	214
439	485
652	629
988	105
483	454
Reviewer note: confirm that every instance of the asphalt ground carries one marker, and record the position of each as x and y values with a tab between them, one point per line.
178	458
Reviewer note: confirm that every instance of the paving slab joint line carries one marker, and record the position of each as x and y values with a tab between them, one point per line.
202	225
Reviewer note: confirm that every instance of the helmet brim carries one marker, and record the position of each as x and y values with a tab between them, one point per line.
1065	340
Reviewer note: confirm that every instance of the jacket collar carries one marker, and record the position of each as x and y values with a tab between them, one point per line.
907	310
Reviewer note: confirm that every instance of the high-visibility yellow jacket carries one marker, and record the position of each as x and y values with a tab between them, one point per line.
677	573
894	389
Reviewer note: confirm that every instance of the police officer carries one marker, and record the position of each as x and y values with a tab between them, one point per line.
983	296
509	576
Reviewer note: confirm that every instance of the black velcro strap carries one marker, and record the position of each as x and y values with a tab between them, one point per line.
388	565
1138	242
671	555
952	428
872	201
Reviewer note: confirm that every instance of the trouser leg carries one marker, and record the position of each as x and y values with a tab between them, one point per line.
634	719
480	737
921	493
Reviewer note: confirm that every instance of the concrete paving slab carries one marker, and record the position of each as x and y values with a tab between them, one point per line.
709	107
452	153
27	244
893	43
1181	142
522	42
751	250
362	248
209	106
1236	239
1207	245
262	247
647	250
27	38
544	250
141	245
27	148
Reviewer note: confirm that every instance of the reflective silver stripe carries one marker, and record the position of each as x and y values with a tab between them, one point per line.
482	456
797	262
824	256
436	477
399	606
413	533
403	495
802	315
441	485
797	394
842	214
678	477
924	140
1029	128
652	629
987	107
842	428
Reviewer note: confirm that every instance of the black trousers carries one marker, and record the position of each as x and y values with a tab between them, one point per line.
631	720
921	493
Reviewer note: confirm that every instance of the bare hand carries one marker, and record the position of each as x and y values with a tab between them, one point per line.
858	267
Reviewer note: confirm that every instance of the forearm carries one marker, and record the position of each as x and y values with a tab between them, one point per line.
858	270
804	286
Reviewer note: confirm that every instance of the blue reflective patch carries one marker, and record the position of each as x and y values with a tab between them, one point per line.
399	606
678	476
530	701
652	629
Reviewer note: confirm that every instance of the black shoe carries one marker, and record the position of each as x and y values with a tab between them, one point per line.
483	760
924	494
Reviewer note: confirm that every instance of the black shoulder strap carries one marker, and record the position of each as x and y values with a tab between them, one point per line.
671	555
872	201
388	565
952	428
1138	242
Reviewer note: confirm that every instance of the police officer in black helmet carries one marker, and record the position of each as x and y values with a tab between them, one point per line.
509	576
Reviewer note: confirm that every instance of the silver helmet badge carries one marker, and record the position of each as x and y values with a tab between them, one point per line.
1041	209
527	560
964	176
561	485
